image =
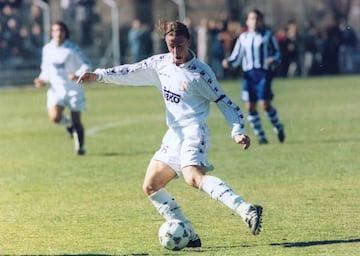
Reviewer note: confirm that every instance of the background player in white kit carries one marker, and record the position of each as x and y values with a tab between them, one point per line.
188	86
62	63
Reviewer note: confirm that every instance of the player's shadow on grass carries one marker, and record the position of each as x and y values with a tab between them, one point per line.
322	141
136	254
313	243
68	254
134	153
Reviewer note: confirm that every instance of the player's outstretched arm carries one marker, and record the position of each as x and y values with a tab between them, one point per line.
87	77
243	139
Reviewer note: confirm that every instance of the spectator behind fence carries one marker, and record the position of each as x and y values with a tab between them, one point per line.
147	48
140	41
348	47
14	41
330	48
192	29
202	40
35	15
68	8
289	43
312	56
135	35
85	17
4	48
21	36
36	38
217	49
283	41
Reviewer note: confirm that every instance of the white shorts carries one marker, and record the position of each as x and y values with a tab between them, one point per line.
73	98
185	146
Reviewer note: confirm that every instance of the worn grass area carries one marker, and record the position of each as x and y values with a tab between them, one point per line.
54	203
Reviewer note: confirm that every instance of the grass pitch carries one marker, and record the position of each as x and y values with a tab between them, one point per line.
55	203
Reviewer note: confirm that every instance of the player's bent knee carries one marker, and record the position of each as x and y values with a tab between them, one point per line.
192	181
193	176
149	189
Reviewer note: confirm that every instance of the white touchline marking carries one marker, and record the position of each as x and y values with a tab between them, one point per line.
92	131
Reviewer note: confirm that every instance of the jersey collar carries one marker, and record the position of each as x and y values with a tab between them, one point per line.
190	62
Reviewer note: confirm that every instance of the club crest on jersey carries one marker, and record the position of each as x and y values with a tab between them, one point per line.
170	96
184	86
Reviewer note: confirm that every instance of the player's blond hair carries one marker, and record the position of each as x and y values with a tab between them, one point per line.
174	28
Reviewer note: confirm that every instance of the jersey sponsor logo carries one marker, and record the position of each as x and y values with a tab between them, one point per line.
170	96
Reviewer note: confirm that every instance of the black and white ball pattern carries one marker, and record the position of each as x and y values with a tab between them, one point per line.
174	235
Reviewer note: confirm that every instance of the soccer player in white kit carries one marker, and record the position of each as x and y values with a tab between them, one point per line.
188	86
62	63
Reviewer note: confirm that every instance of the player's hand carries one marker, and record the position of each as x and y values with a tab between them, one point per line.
225	63
72	77
243	139
39	82
269	61
87	77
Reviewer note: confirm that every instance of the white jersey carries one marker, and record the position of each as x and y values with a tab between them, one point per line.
187	89
58	62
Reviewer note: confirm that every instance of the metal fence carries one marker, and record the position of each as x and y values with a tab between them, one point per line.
110	22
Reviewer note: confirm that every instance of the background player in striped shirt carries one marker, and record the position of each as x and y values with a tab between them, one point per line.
62	63
257	51
188	87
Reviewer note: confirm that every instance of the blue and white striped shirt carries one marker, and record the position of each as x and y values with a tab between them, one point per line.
253	49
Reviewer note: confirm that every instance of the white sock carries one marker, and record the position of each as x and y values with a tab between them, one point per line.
65	121
243	209
166	205
220	191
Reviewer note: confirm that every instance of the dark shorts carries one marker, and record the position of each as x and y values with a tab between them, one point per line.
257	86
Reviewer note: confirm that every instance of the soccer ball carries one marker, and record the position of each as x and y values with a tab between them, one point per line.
174	235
